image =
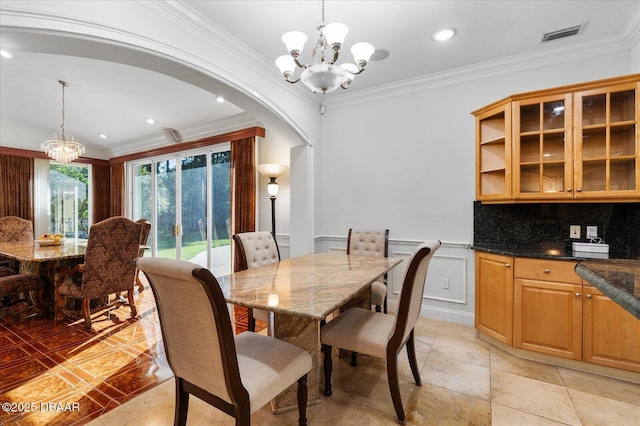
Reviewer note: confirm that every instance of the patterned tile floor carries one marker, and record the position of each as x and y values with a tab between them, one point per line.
117	374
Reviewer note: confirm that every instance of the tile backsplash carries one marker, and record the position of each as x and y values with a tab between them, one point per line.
523	224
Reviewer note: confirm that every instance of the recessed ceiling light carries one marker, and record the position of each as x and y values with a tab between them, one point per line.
150	120
443	34
379	55
220	99
6	54
102	135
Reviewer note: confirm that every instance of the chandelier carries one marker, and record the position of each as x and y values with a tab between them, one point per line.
62	148
323	75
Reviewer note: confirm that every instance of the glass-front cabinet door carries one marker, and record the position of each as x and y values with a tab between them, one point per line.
542	148
607	142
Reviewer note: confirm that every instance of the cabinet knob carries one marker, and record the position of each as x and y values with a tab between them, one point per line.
508	265
546	271
579	189
578	294
569	189
589	296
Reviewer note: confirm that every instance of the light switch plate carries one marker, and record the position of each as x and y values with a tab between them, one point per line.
592	231
574	231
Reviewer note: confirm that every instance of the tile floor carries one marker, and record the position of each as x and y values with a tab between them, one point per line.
117	375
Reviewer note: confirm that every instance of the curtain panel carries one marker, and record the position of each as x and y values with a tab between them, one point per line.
16	181
117	189
243	188
101	178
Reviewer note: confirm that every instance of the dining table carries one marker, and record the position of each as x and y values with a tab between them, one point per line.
42	260
302	292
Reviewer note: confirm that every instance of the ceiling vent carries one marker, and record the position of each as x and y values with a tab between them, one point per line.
566	32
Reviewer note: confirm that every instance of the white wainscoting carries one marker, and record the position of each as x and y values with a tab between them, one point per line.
453	261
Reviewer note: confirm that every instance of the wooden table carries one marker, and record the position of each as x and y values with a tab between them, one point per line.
302	292
43	260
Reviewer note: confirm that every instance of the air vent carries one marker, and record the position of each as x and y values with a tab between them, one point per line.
567	32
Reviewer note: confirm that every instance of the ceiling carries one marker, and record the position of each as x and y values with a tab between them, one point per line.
114	99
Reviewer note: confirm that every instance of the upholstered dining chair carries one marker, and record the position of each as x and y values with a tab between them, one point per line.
146	229
108	266
15	284
236	374
383	336
14	229
375	244
254	249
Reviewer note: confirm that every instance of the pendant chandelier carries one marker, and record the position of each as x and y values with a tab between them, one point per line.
323	75
62	148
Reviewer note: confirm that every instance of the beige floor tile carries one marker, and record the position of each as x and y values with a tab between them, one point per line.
473	352
339	411
433	405
463	377
404	369
443	328
601	386
534	397
505	416
596	410
506	363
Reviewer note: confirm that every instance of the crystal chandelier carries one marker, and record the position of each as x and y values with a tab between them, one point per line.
62	148
323	75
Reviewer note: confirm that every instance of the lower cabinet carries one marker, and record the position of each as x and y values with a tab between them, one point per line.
553	312
611	334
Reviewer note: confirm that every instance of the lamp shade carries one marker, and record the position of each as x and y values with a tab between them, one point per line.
323	78
294	40
272	170
286	64
362	51
335	33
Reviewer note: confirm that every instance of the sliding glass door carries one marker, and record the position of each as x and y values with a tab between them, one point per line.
185	196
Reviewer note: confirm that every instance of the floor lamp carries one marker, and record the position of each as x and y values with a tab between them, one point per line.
272	171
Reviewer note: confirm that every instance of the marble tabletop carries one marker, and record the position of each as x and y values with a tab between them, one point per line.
618	279
311	286
33	252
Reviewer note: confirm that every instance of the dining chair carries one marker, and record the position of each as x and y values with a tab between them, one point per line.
383	336
375	244
236	374
254	249
13	229
146	229
108	267
12	285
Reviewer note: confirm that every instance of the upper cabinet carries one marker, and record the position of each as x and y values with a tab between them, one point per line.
579	142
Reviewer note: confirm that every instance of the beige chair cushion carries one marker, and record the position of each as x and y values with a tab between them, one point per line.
361	331
260	248
268	366
367	243
378	293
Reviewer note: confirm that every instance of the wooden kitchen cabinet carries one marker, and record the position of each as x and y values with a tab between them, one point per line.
611	334
547	313
579	142
607	142
493	153
494	296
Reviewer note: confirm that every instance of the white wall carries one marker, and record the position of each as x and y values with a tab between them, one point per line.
407	163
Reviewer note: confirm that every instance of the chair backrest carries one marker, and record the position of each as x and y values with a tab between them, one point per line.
412	291
196	327
146	229
255	249
14	228
368	243
113	245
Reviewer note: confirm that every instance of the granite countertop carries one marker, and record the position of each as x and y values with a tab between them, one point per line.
556	250
619	279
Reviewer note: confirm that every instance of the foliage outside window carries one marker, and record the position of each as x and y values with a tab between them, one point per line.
69	200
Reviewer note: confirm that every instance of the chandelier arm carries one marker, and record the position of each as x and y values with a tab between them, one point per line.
360	70
300	64
292	81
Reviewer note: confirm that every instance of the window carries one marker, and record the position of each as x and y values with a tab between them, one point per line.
69	200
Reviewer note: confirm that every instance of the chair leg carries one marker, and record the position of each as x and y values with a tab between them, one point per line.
86	312
302	400
385	305
58	315
251	321
132	305
139	282
39	303
379	308
413	363
328	366
354	359
394	385
182	404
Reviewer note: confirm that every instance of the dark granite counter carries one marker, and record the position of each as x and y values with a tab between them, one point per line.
618	279
555	250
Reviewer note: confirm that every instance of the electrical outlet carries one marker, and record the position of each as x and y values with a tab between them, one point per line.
574	231
445	283
592	232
